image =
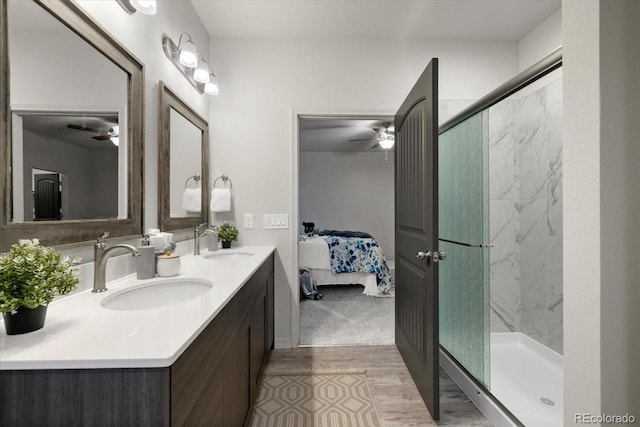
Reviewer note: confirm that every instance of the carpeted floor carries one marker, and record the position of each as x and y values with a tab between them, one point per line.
346	317
315	399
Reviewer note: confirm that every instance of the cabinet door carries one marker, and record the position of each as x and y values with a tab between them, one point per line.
209	410
237	380
269	319
258	339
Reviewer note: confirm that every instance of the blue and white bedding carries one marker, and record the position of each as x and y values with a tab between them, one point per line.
359	255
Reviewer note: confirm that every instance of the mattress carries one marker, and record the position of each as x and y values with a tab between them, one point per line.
313	254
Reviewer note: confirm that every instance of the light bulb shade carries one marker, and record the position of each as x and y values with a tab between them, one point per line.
386	143
188	55
201	73
211	88
115	140
148	7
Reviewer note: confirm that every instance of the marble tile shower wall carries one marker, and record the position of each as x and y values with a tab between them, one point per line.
525	202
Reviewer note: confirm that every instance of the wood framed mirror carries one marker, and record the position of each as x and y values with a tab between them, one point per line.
63	69
183	164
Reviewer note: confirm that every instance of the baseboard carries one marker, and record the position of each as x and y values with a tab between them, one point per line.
282	343
481	397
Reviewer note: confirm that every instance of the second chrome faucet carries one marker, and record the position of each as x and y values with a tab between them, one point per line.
197	234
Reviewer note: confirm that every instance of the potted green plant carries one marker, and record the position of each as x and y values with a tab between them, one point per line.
30	277
227	233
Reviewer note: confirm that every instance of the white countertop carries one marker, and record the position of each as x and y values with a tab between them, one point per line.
81	334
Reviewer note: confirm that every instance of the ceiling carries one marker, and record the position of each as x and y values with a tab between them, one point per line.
55	126
333	134
507	20
496	20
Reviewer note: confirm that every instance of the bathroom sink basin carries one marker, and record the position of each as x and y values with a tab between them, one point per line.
156	293
221	255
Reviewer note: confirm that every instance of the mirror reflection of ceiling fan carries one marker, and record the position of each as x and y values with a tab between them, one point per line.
112	134
384	138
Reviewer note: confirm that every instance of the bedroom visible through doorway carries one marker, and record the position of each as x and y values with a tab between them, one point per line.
346	245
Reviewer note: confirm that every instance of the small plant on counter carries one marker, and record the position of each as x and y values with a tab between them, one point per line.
30	277
227	233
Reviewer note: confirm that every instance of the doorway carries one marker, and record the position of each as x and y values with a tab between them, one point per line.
345	184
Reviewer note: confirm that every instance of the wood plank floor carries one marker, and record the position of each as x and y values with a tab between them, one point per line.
394	392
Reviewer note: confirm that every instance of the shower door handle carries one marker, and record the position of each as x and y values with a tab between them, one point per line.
435	256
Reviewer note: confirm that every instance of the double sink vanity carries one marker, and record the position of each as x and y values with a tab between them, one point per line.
186	350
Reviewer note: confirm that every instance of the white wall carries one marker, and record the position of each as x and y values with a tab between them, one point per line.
601	180
264	81
620	207
541	41
349	191
581	221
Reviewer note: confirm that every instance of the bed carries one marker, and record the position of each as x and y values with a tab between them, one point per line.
339	260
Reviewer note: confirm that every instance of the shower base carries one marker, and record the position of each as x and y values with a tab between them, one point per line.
527	378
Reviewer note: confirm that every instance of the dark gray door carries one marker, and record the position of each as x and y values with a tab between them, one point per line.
416	127
46	197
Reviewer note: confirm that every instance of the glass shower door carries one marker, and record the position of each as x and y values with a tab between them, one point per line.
463	182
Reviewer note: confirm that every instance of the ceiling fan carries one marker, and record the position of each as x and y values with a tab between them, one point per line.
384	137
113	134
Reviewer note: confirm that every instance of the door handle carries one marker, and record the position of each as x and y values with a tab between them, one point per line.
436	256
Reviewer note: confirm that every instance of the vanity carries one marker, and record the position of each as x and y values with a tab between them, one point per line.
193	362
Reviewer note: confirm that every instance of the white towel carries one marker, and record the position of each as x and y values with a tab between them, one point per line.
191	200
221	200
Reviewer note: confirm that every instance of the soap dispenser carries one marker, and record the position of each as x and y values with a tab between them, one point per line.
146	267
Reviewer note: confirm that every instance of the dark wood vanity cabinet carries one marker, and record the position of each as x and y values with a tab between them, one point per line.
213	383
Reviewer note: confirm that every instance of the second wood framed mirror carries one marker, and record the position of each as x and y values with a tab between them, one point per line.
183	164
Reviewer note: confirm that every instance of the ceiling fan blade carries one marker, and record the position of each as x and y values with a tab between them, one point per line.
94	130
376	145
102	137
361	139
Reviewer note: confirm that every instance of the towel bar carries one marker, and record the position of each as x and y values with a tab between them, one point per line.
224	179
196	178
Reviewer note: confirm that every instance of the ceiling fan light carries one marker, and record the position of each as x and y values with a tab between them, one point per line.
115	140
211	88
201	73
386	143
188	55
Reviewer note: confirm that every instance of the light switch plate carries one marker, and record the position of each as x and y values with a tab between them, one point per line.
275	221
248	221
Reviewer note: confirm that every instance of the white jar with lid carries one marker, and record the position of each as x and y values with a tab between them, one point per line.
168	265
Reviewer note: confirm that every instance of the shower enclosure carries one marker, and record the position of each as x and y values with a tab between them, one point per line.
500	221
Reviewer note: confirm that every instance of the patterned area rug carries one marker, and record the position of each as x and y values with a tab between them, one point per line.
315	398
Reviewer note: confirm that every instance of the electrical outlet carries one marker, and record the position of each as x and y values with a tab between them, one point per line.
248	220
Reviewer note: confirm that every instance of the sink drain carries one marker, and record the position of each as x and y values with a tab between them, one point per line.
546	401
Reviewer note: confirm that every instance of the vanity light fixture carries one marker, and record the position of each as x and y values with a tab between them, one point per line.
148	7
191	63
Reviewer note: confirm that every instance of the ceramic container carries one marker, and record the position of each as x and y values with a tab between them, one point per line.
168	265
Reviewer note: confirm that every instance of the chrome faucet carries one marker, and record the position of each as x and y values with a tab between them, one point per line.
197	234
100	256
